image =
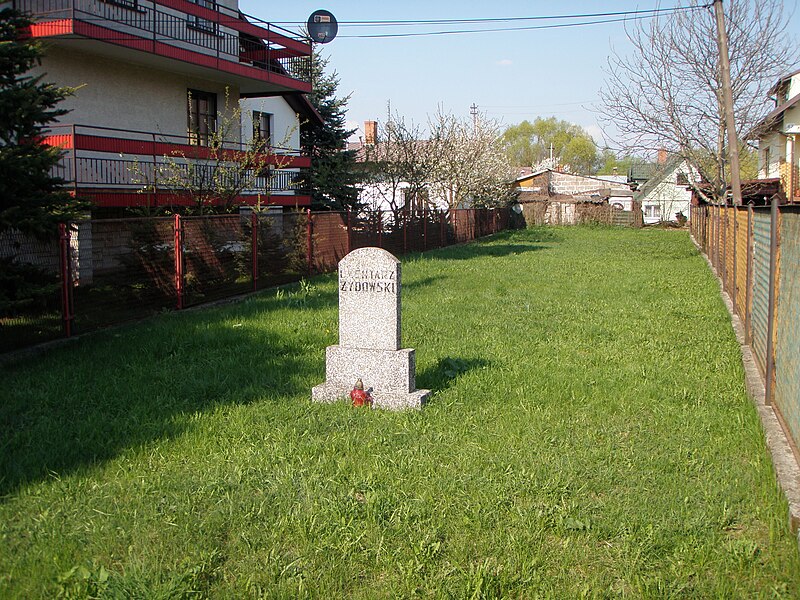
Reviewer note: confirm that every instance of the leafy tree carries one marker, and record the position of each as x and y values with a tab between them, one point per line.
609	160
32	200
667	93
400	166
529	144
472	168
333	168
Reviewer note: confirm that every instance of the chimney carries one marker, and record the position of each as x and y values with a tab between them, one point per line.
662	156
370	132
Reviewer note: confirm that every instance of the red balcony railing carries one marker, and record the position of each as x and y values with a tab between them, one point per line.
122	163
220	39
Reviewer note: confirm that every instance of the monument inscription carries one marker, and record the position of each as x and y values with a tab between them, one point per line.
369	335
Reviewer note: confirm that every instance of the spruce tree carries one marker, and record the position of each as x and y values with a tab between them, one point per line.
32	201
333	167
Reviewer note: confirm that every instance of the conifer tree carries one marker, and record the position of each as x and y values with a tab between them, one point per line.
333	167
32	201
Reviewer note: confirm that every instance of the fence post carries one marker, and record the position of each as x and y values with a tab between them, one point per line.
380	228
724	233
719	240
424	228
66	278
735	259
309	241
178	231
254	242
405	231
349	232
773	296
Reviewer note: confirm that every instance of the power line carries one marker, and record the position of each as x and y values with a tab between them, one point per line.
523	106
503	29
412	22
613	17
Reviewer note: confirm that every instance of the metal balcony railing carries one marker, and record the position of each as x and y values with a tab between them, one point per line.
101	157
222	33
160	175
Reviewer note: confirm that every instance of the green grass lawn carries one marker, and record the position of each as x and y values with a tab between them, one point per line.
589	435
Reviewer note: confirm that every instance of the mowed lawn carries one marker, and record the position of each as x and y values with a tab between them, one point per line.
589	435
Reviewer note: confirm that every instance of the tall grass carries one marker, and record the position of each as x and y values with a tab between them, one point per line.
589	435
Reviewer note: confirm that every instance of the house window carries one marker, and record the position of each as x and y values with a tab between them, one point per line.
766	161
652	211
262	127
682	178
201	24
202	118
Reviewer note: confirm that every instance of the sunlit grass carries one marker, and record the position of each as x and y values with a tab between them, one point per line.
589	434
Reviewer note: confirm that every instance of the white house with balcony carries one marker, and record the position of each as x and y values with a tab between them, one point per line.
155	79
777	134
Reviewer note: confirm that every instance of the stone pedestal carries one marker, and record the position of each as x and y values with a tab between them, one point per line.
388	375
369	336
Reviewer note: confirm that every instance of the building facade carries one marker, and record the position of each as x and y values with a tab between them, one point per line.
778	156
666	196
171	89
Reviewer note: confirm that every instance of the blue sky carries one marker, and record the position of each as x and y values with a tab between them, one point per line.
511	76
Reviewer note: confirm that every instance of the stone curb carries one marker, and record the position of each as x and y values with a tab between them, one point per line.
787	469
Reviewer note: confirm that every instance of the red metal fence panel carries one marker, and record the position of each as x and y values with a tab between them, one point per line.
123	269
31	276
217	257
97	273
330	240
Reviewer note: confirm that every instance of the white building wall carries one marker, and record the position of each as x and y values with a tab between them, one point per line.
794	86
285	122
668	197
381	196
121	95
771	153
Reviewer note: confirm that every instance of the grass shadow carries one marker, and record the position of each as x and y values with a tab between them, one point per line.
447	370
504	243
135	385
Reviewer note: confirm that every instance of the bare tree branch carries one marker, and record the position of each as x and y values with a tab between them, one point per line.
667	92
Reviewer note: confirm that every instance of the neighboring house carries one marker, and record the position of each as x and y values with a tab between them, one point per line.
586	188
778	155
387	191
666	193
156	78
562	193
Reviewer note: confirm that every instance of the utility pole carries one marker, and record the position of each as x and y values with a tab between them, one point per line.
473	110
727	99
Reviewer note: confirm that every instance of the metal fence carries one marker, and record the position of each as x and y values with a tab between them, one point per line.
96	273
756	254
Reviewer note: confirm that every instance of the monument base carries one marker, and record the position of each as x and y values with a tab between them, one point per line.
388	376
387	400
